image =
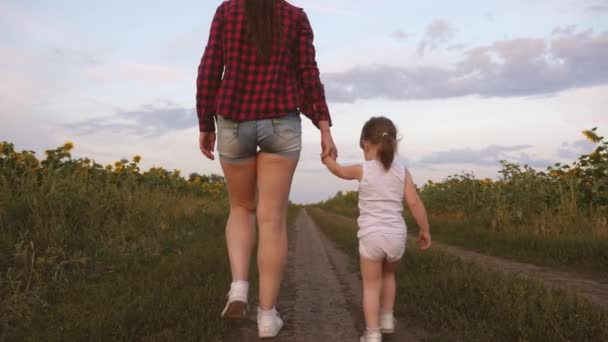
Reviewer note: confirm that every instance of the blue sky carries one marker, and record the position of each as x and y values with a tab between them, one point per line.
468	82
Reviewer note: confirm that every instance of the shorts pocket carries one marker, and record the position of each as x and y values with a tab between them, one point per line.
228	130
288	127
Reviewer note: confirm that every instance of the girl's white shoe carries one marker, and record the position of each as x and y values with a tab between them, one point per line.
371	337
387	323
269	324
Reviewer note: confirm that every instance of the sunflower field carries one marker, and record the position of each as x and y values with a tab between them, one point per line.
74	232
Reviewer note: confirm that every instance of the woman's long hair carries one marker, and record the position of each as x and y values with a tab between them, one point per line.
262	26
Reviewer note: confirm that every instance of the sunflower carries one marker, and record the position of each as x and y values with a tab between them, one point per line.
68	146
591	136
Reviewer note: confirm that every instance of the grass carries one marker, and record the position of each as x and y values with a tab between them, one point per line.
175	295
465	302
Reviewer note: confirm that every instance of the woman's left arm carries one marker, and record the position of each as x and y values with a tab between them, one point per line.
210	75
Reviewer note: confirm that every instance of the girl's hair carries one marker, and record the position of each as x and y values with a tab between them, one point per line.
381	131
262	26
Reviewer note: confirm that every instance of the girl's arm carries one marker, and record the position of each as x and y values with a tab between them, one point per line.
344	172
417	209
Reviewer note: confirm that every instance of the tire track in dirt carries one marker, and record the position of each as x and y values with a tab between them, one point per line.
593	289
320	298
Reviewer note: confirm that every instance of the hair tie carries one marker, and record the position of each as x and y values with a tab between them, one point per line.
385	134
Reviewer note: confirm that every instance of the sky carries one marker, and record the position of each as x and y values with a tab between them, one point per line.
468	82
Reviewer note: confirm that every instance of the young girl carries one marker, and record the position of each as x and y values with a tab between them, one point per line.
383	185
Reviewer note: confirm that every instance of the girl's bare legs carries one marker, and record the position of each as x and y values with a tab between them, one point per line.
389	286
240	229
274	176
371	274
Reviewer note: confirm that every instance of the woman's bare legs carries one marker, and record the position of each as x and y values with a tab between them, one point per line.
240	229
274	177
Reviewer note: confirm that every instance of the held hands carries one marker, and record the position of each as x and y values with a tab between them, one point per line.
328	146
206	142
424	240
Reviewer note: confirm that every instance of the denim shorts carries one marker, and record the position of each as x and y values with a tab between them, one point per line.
240	141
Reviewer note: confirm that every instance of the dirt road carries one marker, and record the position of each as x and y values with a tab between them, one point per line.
321	297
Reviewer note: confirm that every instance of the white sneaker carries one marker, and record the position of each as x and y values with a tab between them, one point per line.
236	307
374	337
387	323
269	325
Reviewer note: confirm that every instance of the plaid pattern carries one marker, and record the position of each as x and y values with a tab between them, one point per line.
233	83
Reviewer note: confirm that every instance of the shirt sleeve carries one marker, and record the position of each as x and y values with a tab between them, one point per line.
313	103
210	75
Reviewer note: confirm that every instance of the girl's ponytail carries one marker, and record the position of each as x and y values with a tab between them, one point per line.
386	152
381	131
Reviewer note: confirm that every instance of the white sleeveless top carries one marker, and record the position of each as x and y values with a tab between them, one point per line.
381	199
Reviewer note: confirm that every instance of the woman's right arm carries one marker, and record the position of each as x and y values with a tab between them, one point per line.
210	75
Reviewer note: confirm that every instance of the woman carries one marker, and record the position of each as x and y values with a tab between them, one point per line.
257	73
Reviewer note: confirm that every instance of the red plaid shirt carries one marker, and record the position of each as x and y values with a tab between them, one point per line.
232	82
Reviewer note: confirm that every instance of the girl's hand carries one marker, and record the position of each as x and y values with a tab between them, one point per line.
206	142
424	240
329	161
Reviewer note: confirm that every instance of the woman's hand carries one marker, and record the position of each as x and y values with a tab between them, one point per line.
327	142
328	146
206	142
424	240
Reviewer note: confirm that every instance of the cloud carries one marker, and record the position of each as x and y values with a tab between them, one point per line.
488	156
576	149
327	8
128	71
73	55
598	6
564	30
437	34
456	47
399	35
506	68
150	120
